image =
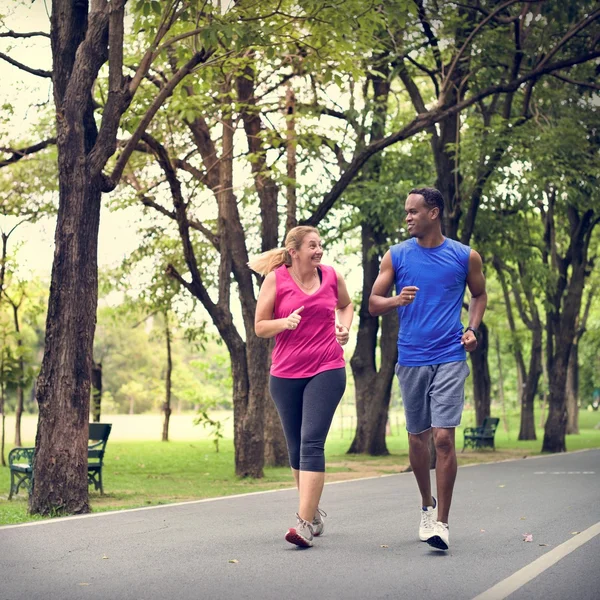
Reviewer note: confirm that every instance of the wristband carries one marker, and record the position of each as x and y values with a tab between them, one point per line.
475	332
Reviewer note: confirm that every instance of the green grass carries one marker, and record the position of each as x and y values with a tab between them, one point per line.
144	473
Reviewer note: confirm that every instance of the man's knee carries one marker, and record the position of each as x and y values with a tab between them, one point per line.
444	440
419	440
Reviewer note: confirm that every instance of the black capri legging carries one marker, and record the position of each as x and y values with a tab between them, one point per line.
306	407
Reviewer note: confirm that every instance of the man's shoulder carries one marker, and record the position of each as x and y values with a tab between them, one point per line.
402	246
457	245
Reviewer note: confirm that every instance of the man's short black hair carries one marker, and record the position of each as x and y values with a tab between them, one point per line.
433	198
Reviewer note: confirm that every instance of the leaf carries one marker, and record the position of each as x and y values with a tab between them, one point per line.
233	560
384	546
575	532
542	544
528	537
502	485
104	557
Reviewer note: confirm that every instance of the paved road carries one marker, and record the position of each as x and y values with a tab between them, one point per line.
370	549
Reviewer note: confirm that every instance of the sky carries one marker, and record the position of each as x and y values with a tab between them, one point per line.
21	89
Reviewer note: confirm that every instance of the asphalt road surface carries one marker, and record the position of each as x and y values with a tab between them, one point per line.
233	548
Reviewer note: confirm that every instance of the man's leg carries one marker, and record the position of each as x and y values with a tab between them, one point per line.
445	469
420	458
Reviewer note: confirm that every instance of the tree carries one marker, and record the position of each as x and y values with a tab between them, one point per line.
84	36
438	59
560	184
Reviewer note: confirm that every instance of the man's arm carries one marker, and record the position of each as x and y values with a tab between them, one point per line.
476	285
379	301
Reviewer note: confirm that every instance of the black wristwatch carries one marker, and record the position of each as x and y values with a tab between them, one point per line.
475	332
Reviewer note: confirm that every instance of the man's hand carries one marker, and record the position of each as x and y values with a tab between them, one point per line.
469	341
407	295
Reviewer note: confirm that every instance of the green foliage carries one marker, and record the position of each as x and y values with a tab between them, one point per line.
215	426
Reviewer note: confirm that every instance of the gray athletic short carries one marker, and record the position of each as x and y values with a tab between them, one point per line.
433	396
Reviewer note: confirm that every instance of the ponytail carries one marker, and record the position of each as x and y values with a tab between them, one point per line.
268	261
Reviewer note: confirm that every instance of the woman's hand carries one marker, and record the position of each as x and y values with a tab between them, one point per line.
342	334
294	318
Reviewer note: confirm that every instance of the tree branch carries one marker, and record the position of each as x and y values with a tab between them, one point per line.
197	59
588	84
447	81
16	63
18	154
426	120
30	34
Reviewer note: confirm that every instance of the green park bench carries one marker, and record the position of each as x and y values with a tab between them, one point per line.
481	437
20	460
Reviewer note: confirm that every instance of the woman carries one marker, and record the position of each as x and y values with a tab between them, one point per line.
297	304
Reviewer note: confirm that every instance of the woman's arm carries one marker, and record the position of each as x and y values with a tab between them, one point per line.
344	312
265	326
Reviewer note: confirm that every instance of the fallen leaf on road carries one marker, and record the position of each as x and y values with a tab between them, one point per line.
233	560
575	532
503	485
523	518
528	537
384	546
84	584
542	544
104	557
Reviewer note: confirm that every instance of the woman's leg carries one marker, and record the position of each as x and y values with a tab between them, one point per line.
322	395
288	397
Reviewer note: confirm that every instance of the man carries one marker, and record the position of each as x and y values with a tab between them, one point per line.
430	273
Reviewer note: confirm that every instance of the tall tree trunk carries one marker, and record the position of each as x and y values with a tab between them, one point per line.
2	425
564	301
168	382
530	388
20	391
275	447
573	369
96	391
501	384
480	373
573	391
63	386
373	386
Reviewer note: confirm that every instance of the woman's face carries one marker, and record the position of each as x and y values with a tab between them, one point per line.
311	250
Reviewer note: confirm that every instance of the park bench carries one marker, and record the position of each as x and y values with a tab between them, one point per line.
481	437
20	461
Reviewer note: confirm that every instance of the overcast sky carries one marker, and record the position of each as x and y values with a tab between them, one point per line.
23	90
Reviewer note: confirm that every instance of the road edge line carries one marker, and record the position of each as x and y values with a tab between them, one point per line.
517	580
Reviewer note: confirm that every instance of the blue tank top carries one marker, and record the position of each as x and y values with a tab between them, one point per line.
430	329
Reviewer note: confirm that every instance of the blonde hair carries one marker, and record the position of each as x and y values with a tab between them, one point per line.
271	259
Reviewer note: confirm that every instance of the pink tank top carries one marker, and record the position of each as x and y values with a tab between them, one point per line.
311	348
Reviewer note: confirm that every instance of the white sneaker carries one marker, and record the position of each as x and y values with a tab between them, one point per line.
440	538
318	523
428	521
302	534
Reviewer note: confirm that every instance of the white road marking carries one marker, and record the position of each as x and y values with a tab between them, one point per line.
511	584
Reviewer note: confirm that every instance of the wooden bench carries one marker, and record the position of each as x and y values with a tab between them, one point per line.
481	437
20	461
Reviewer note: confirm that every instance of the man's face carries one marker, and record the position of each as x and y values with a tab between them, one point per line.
419	217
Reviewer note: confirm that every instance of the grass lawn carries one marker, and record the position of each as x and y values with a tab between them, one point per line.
139	472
